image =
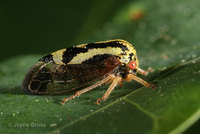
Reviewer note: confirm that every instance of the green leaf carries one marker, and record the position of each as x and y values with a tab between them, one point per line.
166	38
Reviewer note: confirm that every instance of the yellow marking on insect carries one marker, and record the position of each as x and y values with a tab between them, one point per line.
57	56
81	46
131	49
78	59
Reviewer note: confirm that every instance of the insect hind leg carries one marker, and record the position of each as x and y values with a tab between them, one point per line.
78	93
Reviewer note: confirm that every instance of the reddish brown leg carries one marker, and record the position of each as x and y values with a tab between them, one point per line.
117	80
143	72
78	93
141	81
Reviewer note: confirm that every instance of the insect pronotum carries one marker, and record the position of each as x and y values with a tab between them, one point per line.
107	62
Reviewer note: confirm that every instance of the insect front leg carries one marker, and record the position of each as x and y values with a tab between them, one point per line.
139	80
117	80
78	93
143	72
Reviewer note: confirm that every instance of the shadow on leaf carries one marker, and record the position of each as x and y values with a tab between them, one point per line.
15	90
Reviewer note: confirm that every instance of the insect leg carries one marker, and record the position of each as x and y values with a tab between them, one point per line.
78	93
138	79
143	72
115	82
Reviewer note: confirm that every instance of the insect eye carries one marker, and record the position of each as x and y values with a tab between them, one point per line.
132	65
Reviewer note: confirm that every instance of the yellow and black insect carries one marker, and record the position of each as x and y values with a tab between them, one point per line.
94	64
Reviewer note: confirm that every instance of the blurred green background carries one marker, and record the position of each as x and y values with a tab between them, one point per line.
31	27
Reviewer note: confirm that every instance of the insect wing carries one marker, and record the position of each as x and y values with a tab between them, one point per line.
49	78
